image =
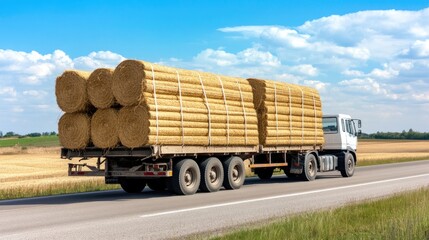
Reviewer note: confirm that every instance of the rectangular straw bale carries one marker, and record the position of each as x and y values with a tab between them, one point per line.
287	114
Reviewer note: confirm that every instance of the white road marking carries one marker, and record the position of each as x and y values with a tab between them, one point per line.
278	196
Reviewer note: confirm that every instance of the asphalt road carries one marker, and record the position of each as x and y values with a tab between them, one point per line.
150	215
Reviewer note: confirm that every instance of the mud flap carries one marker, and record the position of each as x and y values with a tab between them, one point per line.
296	164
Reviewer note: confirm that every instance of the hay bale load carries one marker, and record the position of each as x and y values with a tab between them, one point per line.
74	130
104	128
70	90
288	114
141	103
99	88
171	106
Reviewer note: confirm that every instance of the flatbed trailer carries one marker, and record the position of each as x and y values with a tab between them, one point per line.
187	169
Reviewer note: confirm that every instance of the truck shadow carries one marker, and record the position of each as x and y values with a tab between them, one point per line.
120	195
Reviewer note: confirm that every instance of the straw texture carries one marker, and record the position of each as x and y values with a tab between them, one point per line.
99	88
104	128
70	90
288	114
171	106
74	130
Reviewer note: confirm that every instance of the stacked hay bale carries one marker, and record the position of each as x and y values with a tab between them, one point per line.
288	114
170	106
140	104
79	94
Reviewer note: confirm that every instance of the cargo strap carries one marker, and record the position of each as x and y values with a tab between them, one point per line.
244	112
302	116
181	109
226	109
208	109
277	118
290	117
156	104
315	120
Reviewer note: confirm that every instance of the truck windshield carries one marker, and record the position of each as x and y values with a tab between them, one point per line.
330	125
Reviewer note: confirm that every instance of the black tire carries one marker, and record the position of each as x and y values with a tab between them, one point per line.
349	166
310	168
186	177
234	173
212	175
157	184
286	170
130	185
264	173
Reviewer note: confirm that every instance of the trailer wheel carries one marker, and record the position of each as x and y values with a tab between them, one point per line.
212	175
349	166
234	173
132	185
264	173
186	177
310	168
157	184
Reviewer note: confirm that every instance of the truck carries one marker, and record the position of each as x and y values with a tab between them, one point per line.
186	169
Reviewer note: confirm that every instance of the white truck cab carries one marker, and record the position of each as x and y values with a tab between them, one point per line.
340	132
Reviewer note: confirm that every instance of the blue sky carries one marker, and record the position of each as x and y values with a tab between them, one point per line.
367	58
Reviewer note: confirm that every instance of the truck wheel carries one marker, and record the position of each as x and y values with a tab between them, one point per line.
132	185
186	177
349	166
211	175
264	173
234	173
157	184
310	168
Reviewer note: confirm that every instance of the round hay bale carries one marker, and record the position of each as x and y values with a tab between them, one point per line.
104	128
128	78
133	126
99	88
70	90
74	130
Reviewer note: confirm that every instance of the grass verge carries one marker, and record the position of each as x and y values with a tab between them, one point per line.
42	141
391	160
403	216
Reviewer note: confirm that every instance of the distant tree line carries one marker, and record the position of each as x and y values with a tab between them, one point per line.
410	134
35	134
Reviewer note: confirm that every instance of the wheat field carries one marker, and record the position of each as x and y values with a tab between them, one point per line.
382	150
40	172
28	172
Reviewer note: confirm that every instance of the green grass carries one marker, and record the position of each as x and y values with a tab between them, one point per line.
403	216
43	141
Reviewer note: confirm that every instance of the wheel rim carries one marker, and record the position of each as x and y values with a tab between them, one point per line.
213	174
236	173
312	168
350	165
189	178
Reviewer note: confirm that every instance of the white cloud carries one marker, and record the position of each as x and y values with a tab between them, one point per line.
352	73
35	93
418	49
97	60
17	109
8	91
217	57
305	69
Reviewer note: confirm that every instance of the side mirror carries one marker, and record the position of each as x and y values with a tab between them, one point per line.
360	125
359	132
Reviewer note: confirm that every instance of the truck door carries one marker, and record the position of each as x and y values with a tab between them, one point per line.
351	136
